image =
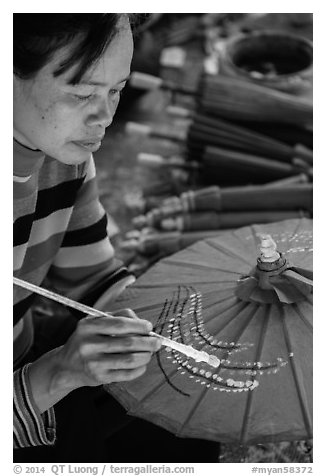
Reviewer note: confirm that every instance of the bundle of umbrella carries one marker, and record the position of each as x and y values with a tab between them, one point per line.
241	131
226	153
238	133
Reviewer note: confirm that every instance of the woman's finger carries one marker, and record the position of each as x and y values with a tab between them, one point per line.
124	375
106	362
99	344
114	326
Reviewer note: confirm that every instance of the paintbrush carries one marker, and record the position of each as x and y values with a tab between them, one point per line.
197	355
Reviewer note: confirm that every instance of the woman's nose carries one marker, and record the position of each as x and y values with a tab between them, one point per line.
102	115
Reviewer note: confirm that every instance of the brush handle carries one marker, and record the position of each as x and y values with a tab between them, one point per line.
198	355
58	298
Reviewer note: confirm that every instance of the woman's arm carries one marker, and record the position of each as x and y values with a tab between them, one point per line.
31	428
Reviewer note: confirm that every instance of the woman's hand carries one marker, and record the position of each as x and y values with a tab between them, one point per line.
107	349
101	350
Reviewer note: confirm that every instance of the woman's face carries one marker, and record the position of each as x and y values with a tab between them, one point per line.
68	122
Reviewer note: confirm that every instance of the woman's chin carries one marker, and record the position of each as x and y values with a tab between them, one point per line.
72	157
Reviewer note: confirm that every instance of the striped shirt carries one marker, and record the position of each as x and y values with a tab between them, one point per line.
60	232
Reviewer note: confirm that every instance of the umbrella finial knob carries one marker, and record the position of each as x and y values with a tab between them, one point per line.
268	251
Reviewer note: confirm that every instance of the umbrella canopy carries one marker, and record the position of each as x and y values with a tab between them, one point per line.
256	319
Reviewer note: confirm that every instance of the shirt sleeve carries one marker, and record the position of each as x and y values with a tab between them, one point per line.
86	259
31	428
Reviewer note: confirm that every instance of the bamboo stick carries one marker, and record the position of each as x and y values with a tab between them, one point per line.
295	179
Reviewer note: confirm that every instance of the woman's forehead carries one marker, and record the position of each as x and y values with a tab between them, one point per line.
112	65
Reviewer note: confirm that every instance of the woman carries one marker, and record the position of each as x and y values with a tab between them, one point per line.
69	71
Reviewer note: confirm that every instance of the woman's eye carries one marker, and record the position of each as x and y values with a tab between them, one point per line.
114	92
83	98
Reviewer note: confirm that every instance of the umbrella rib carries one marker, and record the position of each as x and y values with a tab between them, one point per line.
192	411
206	268
245	323
228	252
299	387
165	379
177	283
225	288
246	416
216	293
309	299
298	225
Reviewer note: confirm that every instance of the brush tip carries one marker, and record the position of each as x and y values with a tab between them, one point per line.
214	361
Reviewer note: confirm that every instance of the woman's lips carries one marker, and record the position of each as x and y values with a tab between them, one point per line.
91	145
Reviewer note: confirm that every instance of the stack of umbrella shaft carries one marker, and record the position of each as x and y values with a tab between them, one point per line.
153	197
206	129
256	156
216	208
227	153
210	220
221	149
196	215
286	133
213	155
289	197
225	164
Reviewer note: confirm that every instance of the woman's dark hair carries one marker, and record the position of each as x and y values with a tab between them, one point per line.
37	37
